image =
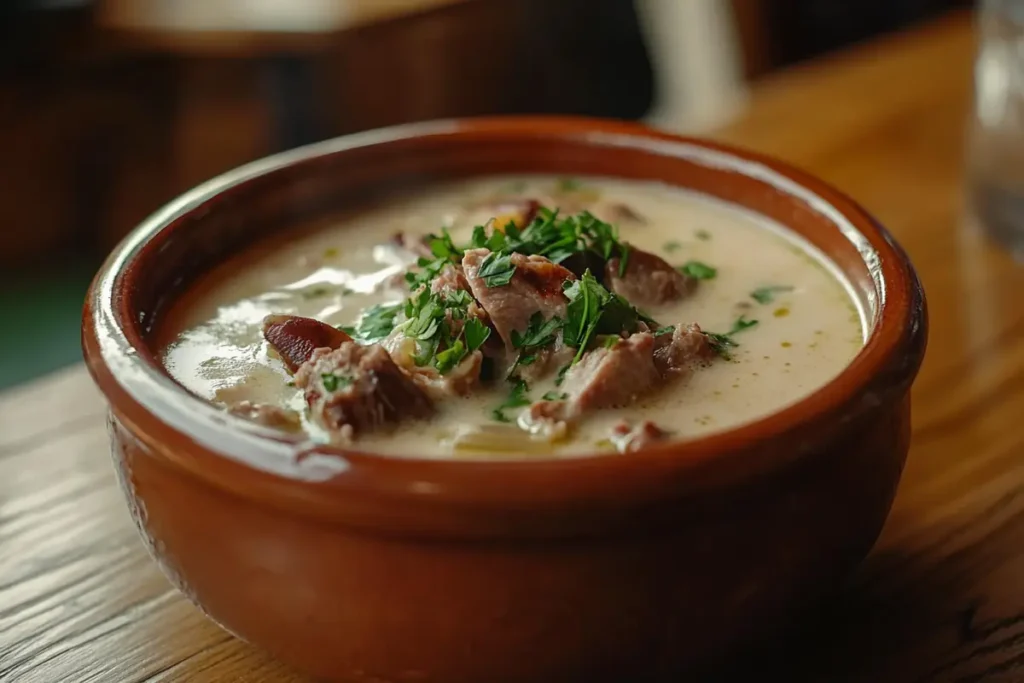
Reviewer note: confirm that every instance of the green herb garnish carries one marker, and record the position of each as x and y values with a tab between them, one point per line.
538	334
430	270
703	235
672	246
555	396
451	357
594	310
476	333
443	247
766	295
376	323
698	270
517	398
497	269
721	343
334	382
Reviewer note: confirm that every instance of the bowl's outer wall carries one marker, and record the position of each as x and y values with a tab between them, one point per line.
630	569
349	606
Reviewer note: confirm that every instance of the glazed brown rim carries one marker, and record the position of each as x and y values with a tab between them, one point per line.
250	460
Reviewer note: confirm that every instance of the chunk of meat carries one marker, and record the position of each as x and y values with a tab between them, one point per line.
459	381
535	286
355	389
295	338
649	280
449	281
607	377
631	438
268	414
611	377
619	375
548	360
681	351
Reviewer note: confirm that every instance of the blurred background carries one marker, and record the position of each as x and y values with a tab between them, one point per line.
109	108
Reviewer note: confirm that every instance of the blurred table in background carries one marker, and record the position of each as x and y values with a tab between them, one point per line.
941	599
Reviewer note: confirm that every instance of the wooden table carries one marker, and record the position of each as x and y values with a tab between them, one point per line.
940	599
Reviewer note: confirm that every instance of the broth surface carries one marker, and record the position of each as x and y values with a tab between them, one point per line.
808	326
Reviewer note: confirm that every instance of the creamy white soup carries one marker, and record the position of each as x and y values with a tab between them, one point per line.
499	368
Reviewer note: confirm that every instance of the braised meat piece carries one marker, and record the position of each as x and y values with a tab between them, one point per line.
459	381
680	351
611	377
355	389
649	280
618	375
295	338
535	285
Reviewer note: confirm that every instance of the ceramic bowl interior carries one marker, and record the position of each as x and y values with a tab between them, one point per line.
191	235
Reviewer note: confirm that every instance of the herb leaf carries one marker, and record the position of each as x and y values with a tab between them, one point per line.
555	396
376	323
497	269
721	343
476	333
741	324
334	382
594	310
766	295
443	246
450	357
698	270
539	332
517	398
672	246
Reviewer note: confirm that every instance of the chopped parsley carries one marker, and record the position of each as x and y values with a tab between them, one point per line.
555	396
538	334
450	358
672	246
766	295
593	310
721	343
429	322
430	270
560	377
476	333
443	247
333	382
703	235
517	398
698	270
376	323
497	269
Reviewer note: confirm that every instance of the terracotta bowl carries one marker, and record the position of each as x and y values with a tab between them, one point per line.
358	567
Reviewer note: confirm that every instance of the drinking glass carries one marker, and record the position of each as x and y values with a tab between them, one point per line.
995	158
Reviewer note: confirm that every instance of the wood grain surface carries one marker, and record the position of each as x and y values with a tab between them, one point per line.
940	599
